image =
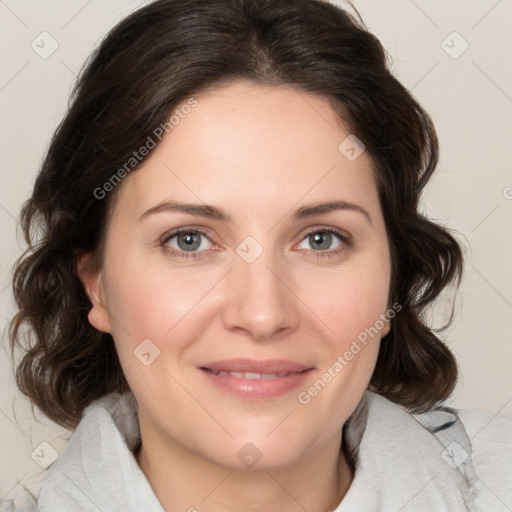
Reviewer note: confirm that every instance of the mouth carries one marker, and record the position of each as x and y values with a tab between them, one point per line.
256	380
251	375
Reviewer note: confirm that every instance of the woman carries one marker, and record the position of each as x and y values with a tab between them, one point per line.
227	274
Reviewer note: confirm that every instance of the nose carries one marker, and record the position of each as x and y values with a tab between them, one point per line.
259	299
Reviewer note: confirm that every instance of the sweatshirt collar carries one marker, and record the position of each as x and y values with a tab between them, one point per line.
401	461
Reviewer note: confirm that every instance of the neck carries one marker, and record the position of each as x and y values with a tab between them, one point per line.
185	481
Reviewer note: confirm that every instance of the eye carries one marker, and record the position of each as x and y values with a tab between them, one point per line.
191	242
187	241
326	240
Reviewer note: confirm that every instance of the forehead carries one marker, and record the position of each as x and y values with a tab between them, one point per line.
251	145
274	123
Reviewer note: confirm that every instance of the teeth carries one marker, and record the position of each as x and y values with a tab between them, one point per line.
251	375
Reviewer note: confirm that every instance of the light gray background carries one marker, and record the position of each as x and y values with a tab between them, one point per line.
469	96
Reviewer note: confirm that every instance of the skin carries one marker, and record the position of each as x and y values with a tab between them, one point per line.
260	153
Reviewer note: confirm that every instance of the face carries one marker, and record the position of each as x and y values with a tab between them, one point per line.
235	299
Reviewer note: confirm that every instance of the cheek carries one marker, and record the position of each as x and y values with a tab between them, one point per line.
351	300
155	316
351	306
154	302
350	303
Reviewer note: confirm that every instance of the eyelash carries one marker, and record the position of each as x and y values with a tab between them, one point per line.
344	238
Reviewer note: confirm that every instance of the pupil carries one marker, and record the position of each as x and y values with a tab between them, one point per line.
322	240
189	241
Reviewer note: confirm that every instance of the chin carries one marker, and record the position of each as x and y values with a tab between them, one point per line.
260	454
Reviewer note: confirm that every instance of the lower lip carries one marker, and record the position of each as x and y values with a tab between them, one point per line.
258	389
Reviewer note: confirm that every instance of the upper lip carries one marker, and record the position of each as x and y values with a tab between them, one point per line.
257	366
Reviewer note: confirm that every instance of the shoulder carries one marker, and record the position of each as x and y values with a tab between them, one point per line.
458	459
490	435
107	431
24	502
491	441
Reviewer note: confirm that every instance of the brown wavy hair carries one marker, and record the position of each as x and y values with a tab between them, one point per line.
151	61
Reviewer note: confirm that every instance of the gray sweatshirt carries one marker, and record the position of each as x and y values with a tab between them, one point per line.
439	461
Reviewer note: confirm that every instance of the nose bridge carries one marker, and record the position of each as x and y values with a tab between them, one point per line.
257	300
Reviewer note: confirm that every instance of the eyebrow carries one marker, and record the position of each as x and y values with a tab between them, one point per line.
215	213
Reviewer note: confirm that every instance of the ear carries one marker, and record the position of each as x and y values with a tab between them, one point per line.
91	278
386	329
